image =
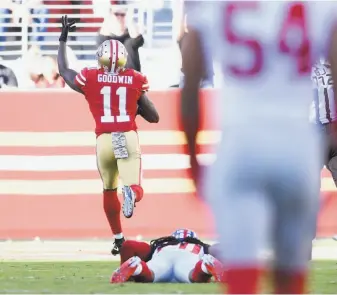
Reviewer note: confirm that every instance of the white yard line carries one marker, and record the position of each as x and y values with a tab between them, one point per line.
100	251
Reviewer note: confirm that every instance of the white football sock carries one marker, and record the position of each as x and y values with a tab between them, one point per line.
119	236
204	268
138	270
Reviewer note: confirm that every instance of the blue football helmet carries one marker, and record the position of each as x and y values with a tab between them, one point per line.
182	233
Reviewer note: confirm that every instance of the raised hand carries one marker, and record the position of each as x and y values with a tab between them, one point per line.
66	28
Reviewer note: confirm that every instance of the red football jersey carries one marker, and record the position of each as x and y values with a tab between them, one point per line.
112	98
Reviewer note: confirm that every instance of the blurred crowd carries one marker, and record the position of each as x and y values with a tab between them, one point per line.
35	65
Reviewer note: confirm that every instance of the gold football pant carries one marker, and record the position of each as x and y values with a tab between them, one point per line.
129	169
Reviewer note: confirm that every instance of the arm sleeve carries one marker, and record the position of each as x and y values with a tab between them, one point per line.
137	42
81	79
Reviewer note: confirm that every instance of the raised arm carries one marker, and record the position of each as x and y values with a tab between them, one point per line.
136	38
66	73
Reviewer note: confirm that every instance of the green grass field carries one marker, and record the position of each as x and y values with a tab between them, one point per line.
93	277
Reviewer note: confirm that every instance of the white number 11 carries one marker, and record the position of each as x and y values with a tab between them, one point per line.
121	94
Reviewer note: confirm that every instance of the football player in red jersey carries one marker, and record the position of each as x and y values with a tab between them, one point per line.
115	96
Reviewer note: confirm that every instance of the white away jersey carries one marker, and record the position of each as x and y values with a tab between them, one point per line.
323	109
265	50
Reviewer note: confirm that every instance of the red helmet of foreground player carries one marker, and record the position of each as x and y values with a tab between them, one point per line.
111	56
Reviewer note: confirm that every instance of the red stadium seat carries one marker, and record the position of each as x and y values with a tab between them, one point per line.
62	11
59	11
89	20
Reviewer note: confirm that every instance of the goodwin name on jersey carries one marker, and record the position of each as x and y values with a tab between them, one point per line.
323	106
110	78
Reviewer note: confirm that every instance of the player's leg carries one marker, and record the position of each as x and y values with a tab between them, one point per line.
242	215
292	243
132	248
242	244
107	167
132	268
315	218
130	173
332	166
295	212
331	159
189	268
295	201
158	269
326	152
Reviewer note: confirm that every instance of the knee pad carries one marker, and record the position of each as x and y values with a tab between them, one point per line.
138	190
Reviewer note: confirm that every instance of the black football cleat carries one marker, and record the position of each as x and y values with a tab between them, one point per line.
117	246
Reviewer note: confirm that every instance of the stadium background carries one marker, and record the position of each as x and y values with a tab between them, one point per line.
49	186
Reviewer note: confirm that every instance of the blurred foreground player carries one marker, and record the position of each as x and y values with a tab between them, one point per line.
115	95
264	183
181	257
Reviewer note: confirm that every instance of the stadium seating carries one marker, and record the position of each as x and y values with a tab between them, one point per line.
159	48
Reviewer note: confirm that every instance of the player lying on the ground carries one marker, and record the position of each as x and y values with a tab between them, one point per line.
115	96
181	257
